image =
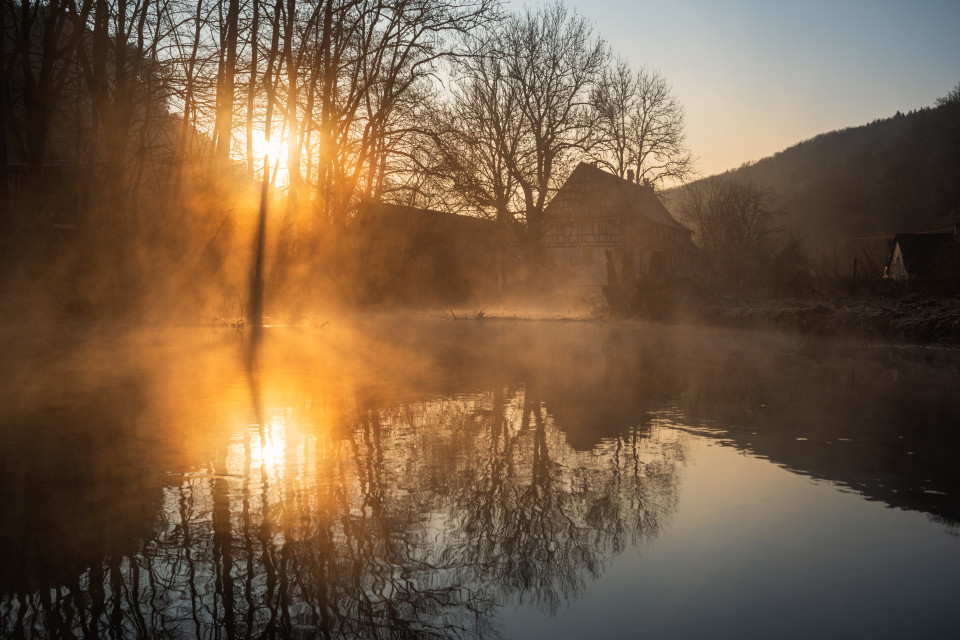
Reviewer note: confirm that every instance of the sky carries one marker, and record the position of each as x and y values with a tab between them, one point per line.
756	77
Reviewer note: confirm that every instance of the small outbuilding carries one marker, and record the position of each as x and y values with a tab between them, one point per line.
925	257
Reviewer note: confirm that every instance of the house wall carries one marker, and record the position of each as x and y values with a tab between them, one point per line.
583	269
580	270
604	231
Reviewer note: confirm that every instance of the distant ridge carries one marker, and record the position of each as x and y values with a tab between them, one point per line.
899	174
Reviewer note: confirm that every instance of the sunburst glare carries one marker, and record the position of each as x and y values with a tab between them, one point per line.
275	150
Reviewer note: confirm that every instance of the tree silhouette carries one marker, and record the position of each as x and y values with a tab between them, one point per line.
519	116
639	127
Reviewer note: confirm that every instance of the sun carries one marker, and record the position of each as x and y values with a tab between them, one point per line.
275	150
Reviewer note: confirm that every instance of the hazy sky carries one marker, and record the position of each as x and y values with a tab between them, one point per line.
758	76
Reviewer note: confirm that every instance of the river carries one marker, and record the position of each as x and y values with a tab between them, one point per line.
419	477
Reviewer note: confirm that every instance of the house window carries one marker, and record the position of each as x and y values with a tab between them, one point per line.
609	230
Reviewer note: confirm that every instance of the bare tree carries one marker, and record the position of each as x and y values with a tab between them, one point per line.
6	218
737	228
127	96
226	79
639	126
520	115
373	63
188	67
473	135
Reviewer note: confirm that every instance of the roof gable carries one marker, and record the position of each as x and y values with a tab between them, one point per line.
590	191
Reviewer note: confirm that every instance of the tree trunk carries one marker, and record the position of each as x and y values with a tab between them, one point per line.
252	88
6	217
225	90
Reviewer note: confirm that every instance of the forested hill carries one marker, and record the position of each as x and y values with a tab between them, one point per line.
900	174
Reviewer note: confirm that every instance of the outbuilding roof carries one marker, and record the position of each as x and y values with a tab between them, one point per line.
923	253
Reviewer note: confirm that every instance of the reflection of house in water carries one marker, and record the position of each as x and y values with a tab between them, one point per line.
415	484
930	257
608	392
595	213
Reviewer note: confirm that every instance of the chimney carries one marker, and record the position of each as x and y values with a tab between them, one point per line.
629	175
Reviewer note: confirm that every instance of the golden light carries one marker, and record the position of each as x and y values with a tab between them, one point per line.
275	149
270	448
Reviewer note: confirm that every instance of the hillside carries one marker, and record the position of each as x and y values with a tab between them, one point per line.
899	174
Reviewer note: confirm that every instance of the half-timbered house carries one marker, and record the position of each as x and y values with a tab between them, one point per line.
600	228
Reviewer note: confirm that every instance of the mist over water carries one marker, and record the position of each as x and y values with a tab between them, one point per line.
215	421
419	477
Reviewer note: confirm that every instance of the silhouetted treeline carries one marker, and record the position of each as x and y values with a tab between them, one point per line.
133	133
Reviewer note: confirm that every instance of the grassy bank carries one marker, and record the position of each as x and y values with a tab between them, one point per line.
915	318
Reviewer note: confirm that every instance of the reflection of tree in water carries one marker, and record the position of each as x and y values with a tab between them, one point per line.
528	517
381	514
411	522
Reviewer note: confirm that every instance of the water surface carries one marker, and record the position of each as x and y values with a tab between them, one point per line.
401	477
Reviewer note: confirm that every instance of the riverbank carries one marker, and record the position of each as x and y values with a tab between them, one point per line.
912	318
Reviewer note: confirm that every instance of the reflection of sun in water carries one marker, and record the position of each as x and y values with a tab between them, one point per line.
269	449
259	450
276	150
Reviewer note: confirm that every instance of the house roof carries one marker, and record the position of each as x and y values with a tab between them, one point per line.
590	191
384	220
922	251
